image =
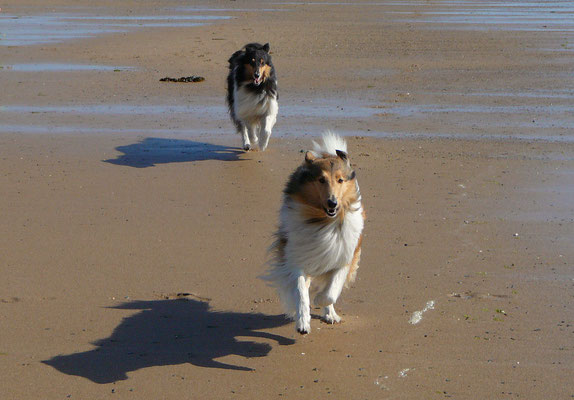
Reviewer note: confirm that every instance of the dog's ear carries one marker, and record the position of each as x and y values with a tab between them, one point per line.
342	155
265	47
310	157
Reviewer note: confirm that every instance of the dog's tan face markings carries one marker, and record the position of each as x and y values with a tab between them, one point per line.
331	187
263	69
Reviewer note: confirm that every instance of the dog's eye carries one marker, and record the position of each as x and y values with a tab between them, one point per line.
253	60
322	180
340	180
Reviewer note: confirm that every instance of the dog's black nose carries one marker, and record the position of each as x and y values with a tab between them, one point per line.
256	74
332	203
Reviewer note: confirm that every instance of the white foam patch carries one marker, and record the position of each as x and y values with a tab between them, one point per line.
418	315
403	372
379	382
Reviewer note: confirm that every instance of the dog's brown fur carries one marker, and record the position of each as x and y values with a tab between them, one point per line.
319	178
313	183
264	72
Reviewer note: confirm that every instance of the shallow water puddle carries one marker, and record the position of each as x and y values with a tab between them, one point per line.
57	67
42	29
319	110
473	15
199	9
294	130
494	15
532	94
541	136
86	130
114	109
408	110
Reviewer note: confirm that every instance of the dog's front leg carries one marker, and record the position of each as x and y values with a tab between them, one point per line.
303	318
245	138
328	297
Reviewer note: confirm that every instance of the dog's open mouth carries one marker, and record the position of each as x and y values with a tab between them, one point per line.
331	212
257	81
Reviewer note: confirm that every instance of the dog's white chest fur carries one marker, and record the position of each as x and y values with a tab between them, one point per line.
319	248
251	107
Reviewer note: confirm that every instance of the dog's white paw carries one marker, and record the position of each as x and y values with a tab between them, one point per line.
303	327
330	316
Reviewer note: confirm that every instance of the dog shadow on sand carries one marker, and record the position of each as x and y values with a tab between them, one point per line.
172	332
152	151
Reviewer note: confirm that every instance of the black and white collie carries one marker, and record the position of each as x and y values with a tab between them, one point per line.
252	94
318	244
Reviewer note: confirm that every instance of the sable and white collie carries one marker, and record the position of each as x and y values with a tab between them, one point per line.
252	94
318	244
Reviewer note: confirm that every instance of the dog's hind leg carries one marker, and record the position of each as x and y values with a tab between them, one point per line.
329	295
267	124
303	316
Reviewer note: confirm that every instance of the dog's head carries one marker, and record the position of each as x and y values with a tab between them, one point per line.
257	63
325	183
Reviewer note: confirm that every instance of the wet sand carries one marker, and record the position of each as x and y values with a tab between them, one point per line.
120	192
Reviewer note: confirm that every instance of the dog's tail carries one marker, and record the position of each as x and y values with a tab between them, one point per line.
280	276
330	143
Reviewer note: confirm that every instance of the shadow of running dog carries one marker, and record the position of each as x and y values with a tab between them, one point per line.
152	151
171	332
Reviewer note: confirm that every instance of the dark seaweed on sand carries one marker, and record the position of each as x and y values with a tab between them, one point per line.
192	78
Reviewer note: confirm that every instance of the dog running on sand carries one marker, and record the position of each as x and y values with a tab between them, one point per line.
318	245
252	94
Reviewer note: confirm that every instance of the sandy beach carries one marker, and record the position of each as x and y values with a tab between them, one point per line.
134	227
